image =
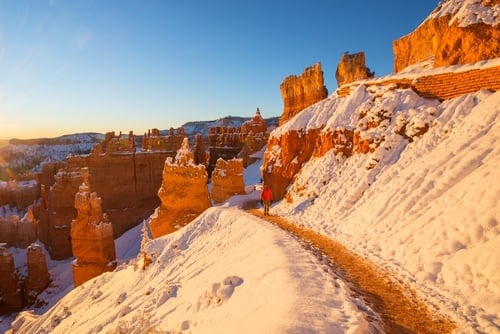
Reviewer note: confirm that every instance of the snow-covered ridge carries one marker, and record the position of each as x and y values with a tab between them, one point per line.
467	12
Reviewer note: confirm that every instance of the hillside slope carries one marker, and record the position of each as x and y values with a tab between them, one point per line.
425	210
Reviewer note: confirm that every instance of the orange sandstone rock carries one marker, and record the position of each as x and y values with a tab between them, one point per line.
227	179
448	42
10	290
92	237
351	68
299	92
183	193
38	278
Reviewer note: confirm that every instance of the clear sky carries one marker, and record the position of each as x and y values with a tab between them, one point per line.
69	66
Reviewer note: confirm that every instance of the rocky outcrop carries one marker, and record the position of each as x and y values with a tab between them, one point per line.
227	180
284	158
183	193
38	278
299	92
11	298
352	67
92	237
448	38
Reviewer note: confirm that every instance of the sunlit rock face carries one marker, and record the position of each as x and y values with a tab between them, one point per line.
10	290
450	39
352	67
38	278
299	92
91	236
183	193
284	158
227	180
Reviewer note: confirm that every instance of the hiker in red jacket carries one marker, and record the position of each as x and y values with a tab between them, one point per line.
266	198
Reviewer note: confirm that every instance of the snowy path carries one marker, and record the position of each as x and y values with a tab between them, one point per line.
397	305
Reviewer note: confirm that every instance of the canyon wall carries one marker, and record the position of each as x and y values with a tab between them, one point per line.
18	232
126	180
183	193
449	40
299	92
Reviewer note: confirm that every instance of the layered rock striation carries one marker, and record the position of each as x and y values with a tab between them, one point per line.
299	92
92	237
183	193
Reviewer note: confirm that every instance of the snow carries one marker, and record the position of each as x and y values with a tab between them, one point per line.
426	211
468	12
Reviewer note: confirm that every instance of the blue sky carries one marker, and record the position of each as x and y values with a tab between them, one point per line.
96	66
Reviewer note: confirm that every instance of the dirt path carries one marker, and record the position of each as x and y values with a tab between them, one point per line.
398	306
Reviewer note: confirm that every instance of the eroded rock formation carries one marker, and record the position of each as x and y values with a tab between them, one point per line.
127	183
92	237
230	142
38	278
450	39
352	67
18	232
299	92
183	193
227	179
10	291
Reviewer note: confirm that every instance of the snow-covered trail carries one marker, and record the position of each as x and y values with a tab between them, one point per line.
394	304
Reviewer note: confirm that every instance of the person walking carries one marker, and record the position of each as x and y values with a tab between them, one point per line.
266	198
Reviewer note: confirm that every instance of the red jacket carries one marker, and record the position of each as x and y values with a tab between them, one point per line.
266	195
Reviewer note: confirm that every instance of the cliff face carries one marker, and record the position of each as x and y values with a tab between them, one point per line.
227	180
299	92
450	38
183	193
91	236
